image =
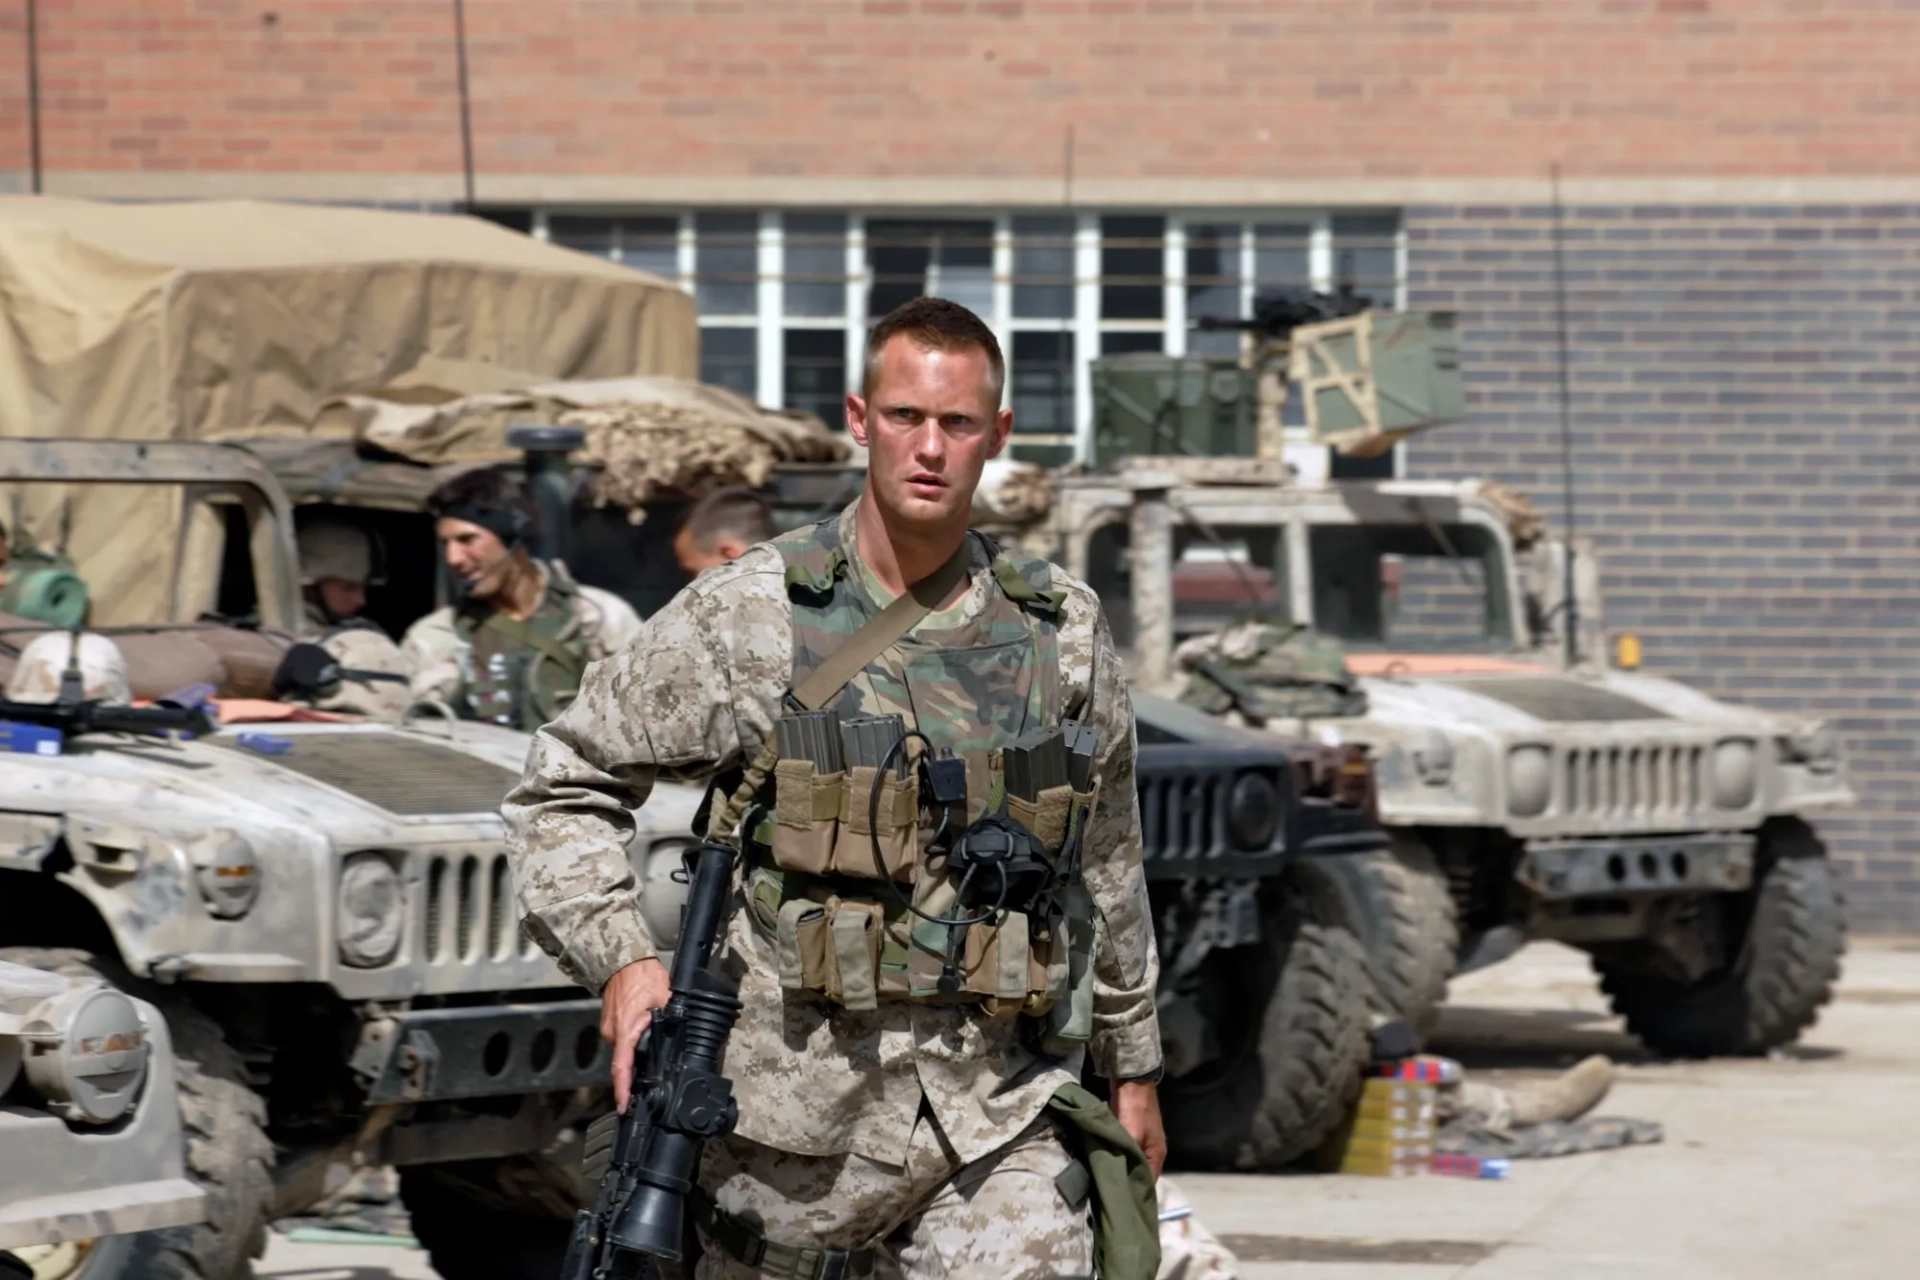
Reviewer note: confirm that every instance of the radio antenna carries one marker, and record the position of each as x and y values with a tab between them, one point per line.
1570	609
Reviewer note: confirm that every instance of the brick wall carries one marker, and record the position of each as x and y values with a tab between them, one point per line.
1154	89
1748	449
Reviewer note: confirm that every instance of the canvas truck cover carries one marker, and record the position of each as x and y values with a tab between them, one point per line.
238	319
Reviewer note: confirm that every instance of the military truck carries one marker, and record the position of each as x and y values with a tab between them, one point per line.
94	1149
319	908
1532	788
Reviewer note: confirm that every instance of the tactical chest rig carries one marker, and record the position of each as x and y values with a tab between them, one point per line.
915	825
523	673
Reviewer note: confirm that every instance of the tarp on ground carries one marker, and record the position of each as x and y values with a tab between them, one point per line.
237	319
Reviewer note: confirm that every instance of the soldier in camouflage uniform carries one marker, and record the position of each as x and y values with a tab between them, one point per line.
912	1133
514	647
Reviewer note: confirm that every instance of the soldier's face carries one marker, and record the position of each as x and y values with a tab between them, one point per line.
343	597
929	423
476	555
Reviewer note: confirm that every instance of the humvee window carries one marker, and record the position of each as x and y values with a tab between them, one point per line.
1440	589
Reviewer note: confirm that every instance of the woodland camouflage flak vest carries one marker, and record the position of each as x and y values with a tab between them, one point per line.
523	674
838	856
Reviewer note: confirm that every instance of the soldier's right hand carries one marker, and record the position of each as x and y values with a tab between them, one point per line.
626	1007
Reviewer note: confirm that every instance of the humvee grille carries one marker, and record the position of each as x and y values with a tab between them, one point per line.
403	775
1649	781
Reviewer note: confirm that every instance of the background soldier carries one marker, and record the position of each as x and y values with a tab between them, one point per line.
880	1108
336	564
720	527
513	649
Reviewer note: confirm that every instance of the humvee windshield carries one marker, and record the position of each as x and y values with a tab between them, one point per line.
1410	588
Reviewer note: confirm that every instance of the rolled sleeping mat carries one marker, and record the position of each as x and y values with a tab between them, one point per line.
47	591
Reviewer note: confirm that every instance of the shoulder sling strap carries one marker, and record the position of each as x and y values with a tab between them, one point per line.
527	636
879	632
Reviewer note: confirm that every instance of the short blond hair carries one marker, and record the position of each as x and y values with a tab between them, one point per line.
939	325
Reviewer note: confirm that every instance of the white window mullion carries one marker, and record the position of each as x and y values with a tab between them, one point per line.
857	319
540	229
1086	328
1320	254
1001	321
770	347
1249	262
684	259
1400	265
1173	260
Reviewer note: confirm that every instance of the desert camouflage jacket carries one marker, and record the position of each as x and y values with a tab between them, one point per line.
698	691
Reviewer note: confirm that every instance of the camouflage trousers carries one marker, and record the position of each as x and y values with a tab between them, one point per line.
999	1218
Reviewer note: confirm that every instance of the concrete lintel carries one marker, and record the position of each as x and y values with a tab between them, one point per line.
958	192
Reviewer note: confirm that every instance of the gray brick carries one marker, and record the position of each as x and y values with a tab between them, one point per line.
1745	430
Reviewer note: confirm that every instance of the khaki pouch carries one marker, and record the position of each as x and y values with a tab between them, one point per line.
853	953
899	816
1045	815
803	939
1047	957
806	816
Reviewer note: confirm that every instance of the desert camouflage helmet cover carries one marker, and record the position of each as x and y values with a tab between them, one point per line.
330	549
103	668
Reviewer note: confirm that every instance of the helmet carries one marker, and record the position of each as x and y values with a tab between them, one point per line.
103	668
330	549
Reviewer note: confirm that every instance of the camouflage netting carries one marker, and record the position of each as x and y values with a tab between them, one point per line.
1264	670
637	449
643	435
1012	493
1524	521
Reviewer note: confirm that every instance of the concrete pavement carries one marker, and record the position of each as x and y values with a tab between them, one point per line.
1805	1164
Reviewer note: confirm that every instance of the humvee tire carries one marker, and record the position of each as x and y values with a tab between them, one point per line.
228	1154
1396	902
477	1220
1304	995
1786	935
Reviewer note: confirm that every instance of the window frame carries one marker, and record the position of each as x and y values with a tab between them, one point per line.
770	323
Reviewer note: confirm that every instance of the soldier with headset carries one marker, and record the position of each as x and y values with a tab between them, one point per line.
513	647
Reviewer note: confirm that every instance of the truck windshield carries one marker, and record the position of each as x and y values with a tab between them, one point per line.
1411	588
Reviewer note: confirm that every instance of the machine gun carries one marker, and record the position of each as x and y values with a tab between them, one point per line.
1278	312
680	1101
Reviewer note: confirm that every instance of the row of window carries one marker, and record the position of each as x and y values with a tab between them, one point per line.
785	296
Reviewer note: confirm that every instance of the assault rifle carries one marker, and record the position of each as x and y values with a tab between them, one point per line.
91	716
680	1100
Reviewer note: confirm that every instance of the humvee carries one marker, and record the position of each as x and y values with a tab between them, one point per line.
95	1153
320	909
1531	788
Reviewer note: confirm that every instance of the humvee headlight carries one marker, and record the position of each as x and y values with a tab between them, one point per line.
228	872
86	1053
372	910
1432	754
1734	773
1253	812
661	894
1529	781
1817	747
